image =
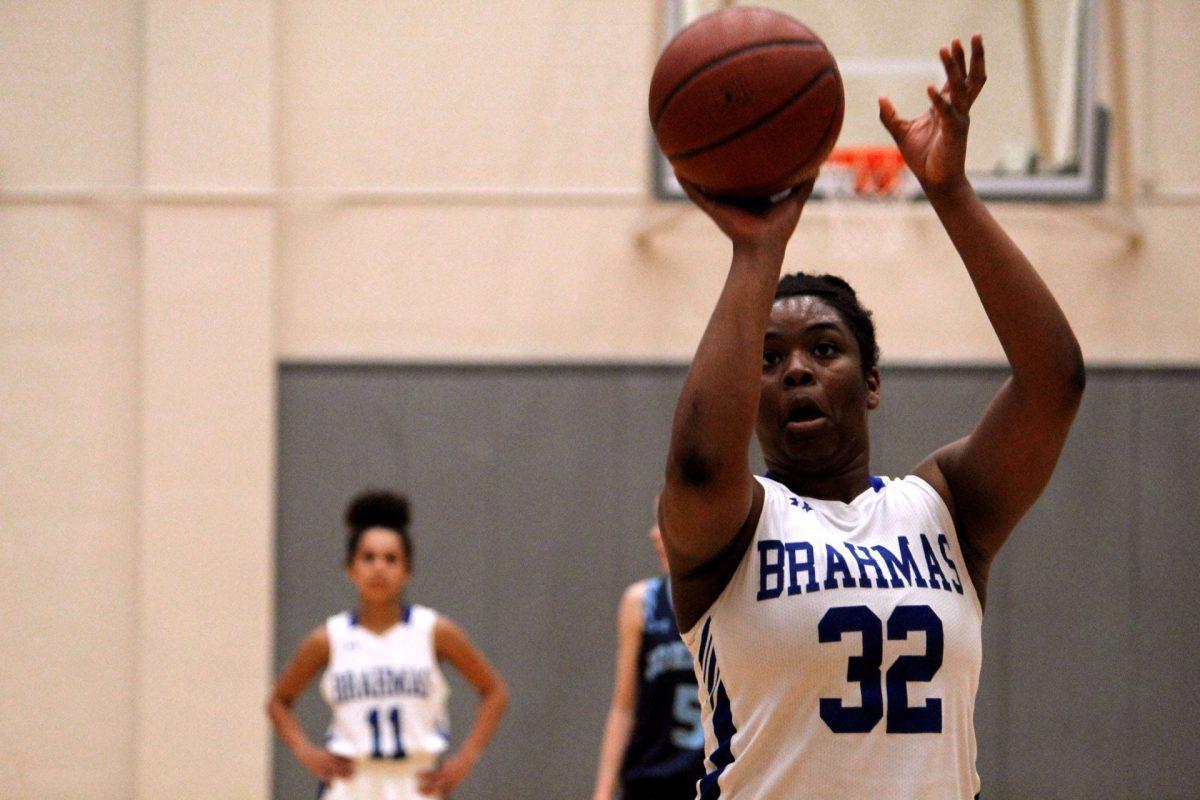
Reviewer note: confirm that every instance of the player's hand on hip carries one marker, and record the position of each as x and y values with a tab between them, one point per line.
757	225
934	145
442	779
325	765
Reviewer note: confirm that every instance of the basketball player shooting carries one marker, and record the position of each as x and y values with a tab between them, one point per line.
835	617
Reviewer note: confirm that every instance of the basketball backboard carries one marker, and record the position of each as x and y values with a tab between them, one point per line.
1037	132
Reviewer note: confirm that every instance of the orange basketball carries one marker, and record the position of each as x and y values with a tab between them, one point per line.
746	102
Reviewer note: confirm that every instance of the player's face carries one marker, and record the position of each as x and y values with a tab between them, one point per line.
379	570
812	412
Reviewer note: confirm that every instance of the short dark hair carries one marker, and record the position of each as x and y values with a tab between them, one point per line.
839	294
376	508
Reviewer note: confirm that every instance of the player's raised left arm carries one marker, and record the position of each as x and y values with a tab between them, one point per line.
452	644
992	476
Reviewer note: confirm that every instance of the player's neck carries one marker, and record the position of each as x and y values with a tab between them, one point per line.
379	617
840	485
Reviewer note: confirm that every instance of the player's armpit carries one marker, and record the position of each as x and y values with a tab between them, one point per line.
992	477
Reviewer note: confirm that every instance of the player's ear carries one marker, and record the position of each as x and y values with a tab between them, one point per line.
874	389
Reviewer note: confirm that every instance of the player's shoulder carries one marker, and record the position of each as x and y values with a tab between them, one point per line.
639	595
442	627
316	644
921	487
632	607
319	634
421	617
338	624
637	591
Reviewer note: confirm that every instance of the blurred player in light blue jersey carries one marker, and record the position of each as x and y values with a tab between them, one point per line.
653	743
382	676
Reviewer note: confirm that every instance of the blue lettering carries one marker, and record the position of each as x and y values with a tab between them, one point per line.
836	562
768	569
796	566
668	657
935	569
864	561
944	545
906	564
379	682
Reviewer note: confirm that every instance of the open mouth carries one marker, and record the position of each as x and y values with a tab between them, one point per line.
803	413
806	414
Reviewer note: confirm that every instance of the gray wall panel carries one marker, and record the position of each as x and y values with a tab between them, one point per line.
531	489
1164	576
1067	598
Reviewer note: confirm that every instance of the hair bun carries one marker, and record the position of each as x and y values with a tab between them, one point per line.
378	508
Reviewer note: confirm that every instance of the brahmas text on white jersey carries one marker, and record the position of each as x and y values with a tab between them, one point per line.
842	659
387	693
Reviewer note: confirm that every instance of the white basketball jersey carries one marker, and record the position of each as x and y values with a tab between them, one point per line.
842	659
387	693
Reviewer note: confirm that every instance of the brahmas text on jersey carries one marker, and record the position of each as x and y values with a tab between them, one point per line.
387	693
843	657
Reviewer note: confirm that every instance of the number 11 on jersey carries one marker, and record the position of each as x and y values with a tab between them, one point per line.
393	716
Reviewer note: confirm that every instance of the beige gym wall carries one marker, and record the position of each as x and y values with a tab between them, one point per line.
465	181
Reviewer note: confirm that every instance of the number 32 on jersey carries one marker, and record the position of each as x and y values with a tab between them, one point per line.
864	670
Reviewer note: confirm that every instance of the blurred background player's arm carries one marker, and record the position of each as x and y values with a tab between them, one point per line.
452	644
311	657
619	724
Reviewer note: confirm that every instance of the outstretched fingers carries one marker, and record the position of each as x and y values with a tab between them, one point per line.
960	57
942	106
954	62
977	75
890	119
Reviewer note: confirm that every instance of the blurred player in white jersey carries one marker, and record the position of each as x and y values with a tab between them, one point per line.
835	616
382	676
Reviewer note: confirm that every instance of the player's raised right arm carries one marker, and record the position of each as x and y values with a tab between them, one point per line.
709	491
